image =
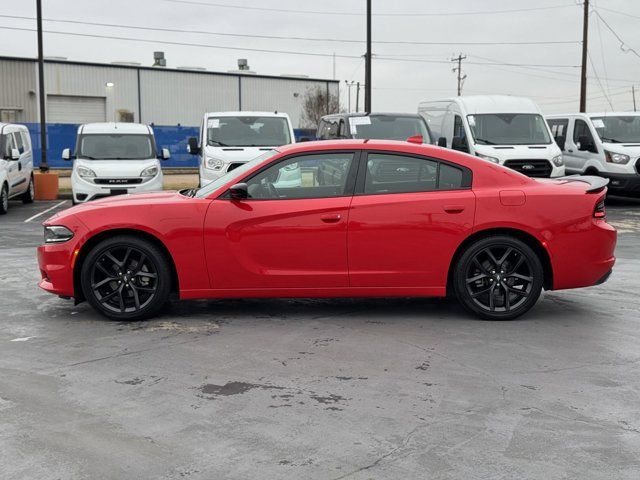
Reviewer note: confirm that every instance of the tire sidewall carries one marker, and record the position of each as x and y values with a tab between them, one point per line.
152	252
464	262
4	199
27	196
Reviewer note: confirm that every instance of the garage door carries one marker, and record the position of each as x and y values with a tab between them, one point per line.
75	109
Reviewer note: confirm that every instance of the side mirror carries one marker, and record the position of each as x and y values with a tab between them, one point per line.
560	141
66	154
458	144
15	154
442	142
192	146
165	154
239	191
584	145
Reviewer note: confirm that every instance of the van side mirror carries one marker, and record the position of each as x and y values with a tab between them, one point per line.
192	146
165	154
560	141
66	154
15	154
457	143
239	191
442	142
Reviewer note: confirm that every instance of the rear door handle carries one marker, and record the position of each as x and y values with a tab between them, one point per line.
453	208
331	218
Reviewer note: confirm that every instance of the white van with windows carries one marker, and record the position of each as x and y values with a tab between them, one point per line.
510	131
230	139
16	165
114	159
605	144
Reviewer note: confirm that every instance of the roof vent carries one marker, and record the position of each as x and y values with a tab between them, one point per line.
159	60
243	64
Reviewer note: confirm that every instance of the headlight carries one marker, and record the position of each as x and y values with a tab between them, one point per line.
85	172
214	163
619	158
487	157
149	172
558	161
57	234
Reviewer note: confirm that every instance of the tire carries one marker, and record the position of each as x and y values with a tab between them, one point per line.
498	278
126	278
27	197
4	199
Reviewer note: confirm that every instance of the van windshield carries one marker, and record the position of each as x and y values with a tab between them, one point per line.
618	129
106	146
388	127
509	129
244	131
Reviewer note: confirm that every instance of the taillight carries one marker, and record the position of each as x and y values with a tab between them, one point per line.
599	211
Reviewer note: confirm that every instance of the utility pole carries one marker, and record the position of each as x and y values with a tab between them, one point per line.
44	166
633	94
367	65
583	71
461	78
358	96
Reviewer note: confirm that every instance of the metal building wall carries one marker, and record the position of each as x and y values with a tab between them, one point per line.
170	97
17	81
90	81
282	94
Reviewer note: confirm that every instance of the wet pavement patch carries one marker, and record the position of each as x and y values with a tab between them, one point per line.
211	391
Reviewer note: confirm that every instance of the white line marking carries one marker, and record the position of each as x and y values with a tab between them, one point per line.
23	339
45	211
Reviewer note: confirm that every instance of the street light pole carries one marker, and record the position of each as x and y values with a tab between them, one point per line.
44	166
367	66
583	71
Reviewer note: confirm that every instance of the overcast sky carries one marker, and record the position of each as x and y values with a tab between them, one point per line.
403	74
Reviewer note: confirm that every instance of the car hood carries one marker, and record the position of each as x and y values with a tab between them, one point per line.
631	149
117	168
528	152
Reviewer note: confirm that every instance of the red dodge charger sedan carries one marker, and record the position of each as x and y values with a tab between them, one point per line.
352	218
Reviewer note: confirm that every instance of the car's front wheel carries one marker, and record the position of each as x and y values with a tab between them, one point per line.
4	199
30	193
126	278
498	278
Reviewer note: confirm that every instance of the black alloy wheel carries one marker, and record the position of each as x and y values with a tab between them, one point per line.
126	278
499	278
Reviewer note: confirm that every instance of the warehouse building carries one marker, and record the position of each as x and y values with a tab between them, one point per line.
80	92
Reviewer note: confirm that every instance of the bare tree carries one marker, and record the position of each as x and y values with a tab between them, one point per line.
316	103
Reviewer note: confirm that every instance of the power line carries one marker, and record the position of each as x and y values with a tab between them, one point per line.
408	14
623	44
277	37
595	74
618	12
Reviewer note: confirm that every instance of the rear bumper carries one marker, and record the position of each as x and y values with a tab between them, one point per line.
623	183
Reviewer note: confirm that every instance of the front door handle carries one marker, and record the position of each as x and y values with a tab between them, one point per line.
331	218
453	208
570	151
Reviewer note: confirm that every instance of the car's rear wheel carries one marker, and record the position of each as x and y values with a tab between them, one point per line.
126	278
28	196
498	278
4	199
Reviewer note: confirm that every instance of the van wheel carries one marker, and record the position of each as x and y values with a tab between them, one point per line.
4	199
498	278
126	278
28	196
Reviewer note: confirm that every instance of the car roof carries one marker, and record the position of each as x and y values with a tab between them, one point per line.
594	114
115	127
359	144
479	104
245	113
364	114
16	125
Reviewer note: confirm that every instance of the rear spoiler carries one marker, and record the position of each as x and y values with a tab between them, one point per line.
596	184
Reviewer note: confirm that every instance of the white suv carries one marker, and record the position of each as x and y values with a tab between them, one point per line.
230	139
605	144
114	159
16	165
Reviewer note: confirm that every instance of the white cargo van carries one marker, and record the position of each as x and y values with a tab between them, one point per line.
230	139
16	165
605	144
114	159
510	131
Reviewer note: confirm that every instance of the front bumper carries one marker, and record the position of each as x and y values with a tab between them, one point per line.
623	183
85	191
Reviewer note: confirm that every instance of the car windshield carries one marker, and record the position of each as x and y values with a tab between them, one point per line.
106	146
244	131
388	127
618	129
233	174
509	129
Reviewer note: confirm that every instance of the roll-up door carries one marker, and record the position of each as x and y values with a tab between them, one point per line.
75	109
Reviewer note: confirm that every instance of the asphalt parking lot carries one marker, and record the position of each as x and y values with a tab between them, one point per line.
318	389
